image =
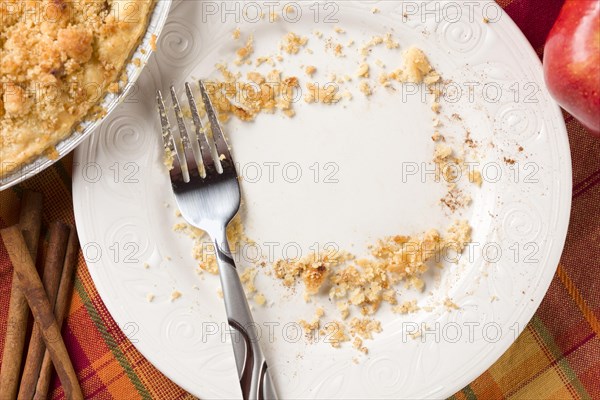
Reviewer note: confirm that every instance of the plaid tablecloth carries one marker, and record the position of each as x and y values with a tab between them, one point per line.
556	357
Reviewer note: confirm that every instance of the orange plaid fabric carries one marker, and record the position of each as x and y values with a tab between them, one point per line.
556	357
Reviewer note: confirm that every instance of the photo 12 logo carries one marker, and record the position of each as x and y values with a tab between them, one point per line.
410	331
270	11
451	11
55	12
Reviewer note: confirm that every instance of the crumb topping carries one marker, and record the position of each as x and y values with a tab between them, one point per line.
292	43
310	70
175	295
245	51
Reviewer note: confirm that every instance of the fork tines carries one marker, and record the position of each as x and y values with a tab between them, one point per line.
193	155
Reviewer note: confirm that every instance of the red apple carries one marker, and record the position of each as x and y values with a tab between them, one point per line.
572	61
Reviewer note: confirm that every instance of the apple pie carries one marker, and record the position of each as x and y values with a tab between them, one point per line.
58	59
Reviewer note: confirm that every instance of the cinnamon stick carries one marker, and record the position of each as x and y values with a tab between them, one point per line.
30	223
32	288
60	311
57	247
30	220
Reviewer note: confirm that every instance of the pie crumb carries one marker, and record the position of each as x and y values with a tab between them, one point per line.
475	177
357	343
310	70
408	307
260	299
289	9
437	137
365	88
335	333
246	51
416	65
450	305
343	308
153	39
292	43
363	71
175	295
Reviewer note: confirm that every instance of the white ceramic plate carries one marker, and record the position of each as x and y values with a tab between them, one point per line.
110	102
362	147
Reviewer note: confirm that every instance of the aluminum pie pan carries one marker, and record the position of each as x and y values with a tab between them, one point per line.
109	103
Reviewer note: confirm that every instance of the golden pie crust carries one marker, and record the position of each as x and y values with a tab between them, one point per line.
58	59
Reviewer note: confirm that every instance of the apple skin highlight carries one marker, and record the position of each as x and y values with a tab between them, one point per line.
572	61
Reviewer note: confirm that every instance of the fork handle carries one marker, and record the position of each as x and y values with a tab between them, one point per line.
255	381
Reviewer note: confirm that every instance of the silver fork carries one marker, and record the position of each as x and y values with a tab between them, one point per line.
208	195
